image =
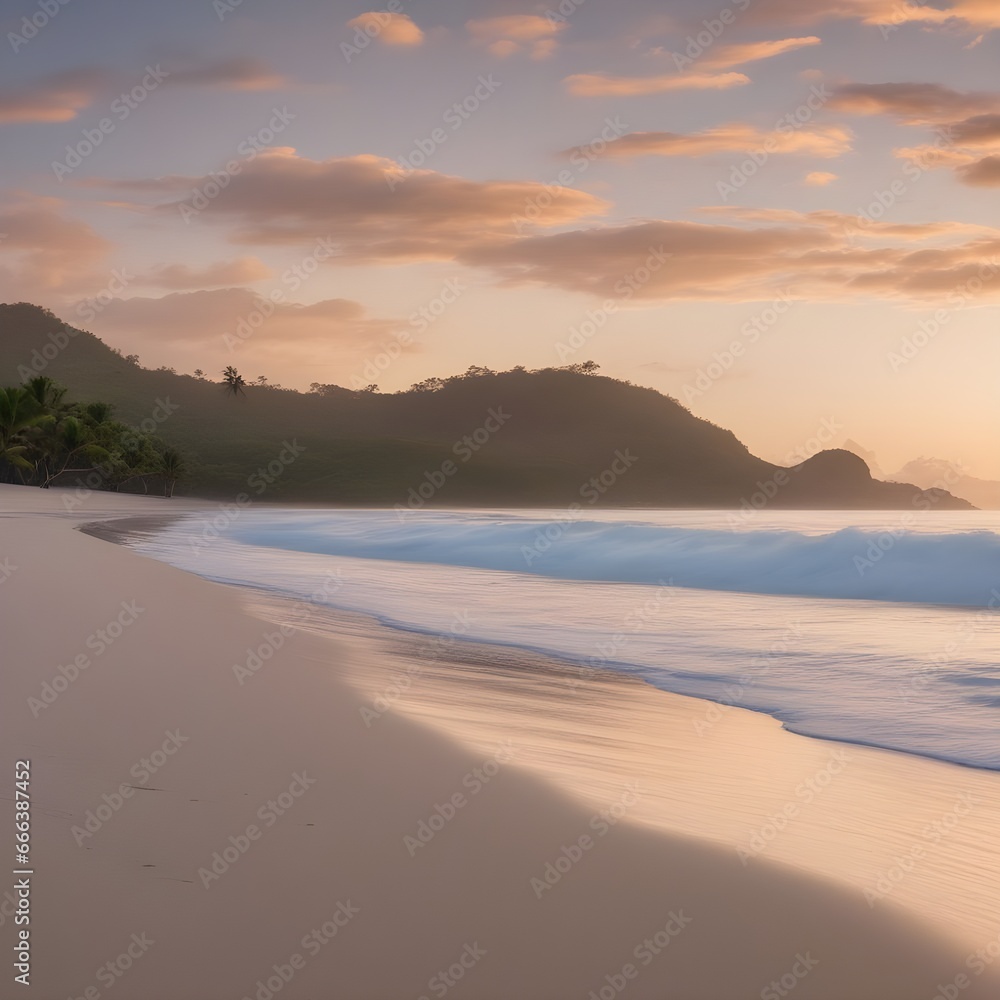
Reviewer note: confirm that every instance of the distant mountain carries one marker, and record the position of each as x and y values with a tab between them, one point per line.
938	472
869	456
553	438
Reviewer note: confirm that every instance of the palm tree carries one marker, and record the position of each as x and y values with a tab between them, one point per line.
172	467
70	439
233	381
48	394
98	413
19	411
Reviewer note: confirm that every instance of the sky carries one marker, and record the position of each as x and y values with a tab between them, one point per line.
783	214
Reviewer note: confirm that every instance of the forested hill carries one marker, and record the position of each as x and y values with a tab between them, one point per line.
544	438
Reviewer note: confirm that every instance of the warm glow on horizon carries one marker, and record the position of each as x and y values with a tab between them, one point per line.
777	217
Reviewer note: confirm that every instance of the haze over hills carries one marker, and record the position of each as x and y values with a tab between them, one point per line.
940	473
552	437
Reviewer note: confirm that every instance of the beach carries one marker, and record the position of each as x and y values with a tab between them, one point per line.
235	796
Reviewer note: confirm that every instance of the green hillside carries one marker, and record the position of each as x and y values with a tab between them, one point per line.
547	438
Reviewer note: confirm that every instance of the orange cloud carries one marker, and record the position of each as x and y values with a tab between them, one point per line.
978	131
825	141
44	251
57	98
881	13
240	73
388	28
913	103
507	35
668	260
207	316
604	85
244	270
370	207
983	173
819	178
728	56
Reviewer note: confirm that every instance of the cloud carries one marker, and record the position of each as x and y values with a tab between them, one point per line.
982	173
603	85
57	98
388	28
244	270
912	103
240	73
370	207
44	251
825	141
839	223
507	35
728	56
884	13
966	124
980	130
207	316
819	178
669	260
61	96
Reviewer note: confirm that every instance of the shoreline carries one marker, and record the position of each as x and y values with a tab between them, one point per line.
573	760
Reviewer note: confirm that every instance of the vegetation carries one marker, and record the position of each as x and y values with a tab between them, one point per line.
429	445
45	439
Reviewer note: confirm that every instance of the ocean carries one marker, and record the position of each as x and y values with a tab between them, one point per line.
876	628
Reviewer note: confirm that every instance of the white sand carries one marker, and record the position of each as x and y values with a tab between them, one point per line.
468	891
